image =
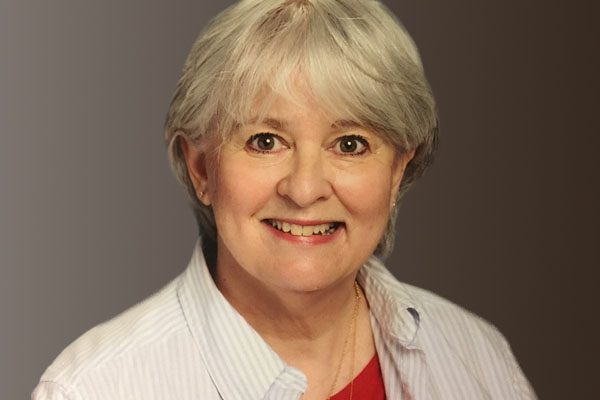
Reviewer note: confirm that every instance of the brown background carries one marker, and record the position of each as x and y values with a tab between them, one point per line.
505	223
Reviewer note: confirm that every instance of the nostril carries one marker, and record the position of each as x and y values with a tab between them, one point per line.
305	185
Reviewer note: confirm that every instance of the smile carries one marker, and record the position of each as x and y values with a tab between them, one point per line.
304	230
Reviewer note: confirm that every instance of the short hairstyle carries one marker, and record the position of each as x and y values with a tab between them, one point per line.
357	59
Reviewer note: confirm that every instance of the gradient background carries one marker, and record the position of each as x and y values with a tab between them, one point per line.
505	223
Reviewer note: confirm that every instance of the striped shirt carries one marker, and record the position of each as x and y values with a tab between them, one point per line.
188	342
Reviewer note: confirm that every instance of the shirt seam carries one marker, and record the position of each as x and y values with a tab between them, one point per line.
69	391
90	370
516	373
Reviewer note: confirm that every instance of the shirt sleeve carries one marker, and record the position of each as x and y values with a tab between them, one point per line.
47	390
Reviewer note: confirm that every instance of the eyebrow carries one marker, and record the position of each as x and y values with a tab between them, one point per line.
281	125
272	123
275	123
345	124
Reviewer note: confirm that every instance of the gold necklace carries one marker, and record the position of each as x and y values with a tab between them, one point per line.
351	331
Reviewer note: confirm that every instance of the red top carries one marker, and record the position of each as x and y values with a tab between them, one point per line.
367	385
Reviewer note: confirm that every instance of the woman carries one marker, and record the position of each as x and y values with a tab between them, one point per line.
296	127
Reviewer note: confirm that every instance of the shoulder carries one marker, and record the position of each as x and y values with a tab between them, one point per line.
141	339
471	346
433	310
458	344
451	318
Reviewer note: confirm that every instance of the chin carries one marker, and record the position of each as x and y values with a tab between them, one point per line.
301	277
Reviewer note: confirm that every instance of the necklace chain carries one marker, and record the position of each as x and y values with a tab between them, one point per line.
351	332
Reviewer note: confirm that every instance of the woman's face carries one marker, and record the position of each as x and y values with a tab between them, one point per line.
301	199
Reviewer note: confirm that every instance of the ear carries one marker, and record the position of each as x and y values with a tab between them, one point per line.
399	167
196	163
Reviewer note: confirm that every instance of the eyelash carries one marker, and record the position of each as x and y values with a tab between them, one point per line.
251	147
359	139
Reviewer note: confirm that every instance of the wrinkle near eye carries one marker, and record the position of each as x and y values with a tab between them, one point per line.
351	145
265	142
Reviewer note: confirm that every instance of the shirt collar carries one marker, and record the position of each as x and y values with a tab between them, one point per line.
240	363
396	312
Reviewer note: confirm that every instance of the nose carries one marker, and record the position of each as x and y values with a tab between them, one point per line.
305	179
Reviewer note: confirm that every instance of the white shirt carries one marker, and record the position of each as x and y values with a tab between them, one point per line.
188	342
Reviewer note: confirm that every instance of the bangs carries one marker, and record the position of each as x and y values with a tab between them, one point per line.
299	50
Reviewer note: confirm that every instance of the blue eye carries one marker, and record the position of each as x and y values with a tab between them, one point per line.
264	143
351	145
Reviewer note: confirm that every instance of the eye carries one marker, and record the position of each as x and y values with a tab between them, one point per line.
351	145
264	143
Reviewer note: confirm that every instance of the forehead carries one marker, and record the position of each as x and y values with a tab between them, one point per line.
307	122
295	98
280	110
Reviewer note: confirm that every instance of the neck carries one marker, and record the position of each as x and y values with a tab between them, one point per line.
291	315
307	328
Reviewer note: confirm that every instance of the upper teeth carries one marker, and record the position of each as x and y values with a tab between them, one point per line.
303	230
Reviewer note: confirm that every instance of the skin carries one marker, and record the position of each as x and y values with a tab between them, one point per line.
303	166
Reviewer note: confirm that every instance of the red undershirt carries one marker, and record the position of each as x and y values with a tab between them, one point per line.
367	385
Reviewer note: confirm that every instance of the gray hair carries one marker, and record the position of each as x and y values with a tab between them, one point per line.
358	61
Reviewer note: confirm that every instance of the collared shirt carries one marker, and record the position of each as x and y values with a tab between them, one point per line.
188	342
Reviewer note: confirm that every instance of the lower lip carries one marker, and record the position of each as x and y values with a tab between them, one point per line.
309	240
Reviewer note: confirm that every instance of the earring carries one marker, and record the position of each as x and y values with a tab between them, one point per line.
204	198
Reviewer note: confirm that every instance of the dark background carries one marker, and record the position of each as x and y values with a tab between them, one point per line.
505	223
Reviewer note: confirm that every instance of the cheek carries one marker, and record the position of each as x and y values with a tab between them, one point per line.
239	191
366	194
